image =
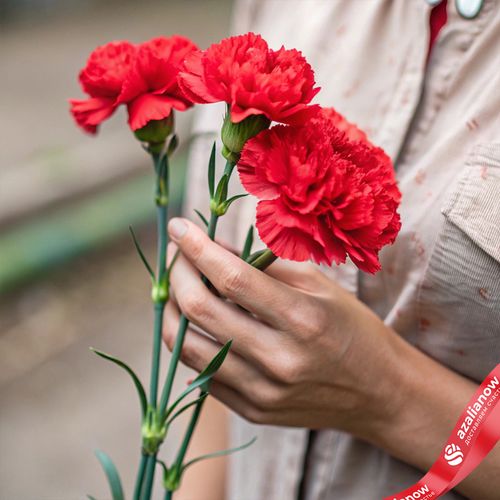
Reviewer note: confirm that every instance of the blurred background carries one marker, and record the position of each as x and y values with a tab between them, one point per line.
69	276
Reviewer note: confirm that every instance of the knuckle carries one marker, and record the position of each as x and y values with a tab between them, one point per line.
169	339
298	318
253	415
289	369
232	282
268	398
307	319
189	355
318	322
169	331
194	306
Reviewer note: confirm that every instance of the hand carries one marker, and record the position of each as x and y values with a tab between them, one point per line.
305	352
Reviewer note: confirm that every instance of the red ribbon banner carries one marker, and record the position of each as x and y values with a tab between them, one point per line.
475	434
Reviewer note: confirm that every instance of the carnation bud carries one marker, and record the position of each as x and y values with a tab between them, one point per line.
234	135
153	431
172	478
159	292
155	132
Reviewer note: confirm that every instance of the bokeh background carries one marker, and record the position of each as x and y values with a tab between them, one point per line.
69	277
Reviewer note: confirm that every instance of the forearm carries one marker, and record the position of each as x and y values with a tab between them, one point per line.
429	399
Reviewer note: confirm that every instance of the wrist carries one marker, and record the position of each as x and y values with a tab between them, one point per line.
371	372
389	389
422	408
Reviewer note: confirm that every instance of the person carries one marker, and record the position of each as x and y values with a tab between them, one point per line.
353	382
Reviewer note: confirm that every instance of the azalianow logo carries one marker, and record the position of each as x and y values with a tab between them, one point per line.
453	454
417	494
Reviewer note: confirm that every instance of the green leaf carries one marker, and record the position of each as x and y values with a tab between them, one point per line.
211	172
186	407
220	453
247	247
252	257
221	193
163	170
202	217
135	378
90	497
170	267
163	465
112	474
203	378
228	203
141	254
172	145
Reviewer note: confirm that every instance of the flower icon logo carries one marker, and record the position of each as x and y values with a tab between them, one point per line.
453	454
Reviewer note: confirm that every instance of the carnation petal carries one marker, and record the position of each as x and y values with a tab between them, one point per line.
133	86
106	69
252	78
287	241
190	80
352	132
299	114
149	107
89	113
253	167
154	73
364	259
323	195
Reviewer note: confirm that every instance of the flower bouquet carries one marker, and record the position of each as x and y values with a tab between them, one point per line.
325	191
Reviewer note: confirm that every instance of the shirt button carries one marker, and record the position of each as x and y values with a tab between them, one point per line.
469	8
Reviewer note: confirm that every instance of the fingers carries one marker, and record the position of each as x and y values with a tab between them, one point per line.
218	317
234	400
251	407
198	350
233	278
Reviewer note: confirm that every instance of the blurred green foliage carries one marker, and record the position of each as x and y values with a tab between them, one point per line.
49	239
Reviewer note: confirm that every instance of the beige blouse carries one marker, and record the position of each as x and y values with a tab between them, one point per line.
440	282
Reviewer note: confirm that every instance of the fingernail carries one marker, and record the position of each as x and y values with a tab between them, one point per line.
177	228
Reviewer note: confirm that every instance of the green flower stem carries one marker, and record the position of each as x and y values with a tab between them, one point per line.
140	477
228	169
184	322
145	477
159	306
189	432
212	226
174	361
187	437
172	367
264	260
150	474
161	287
181	333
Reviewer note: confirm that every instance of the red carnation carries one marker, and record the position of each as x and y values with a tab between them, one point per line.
253	79
102	79
144	78
323	196
150	89
352	132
